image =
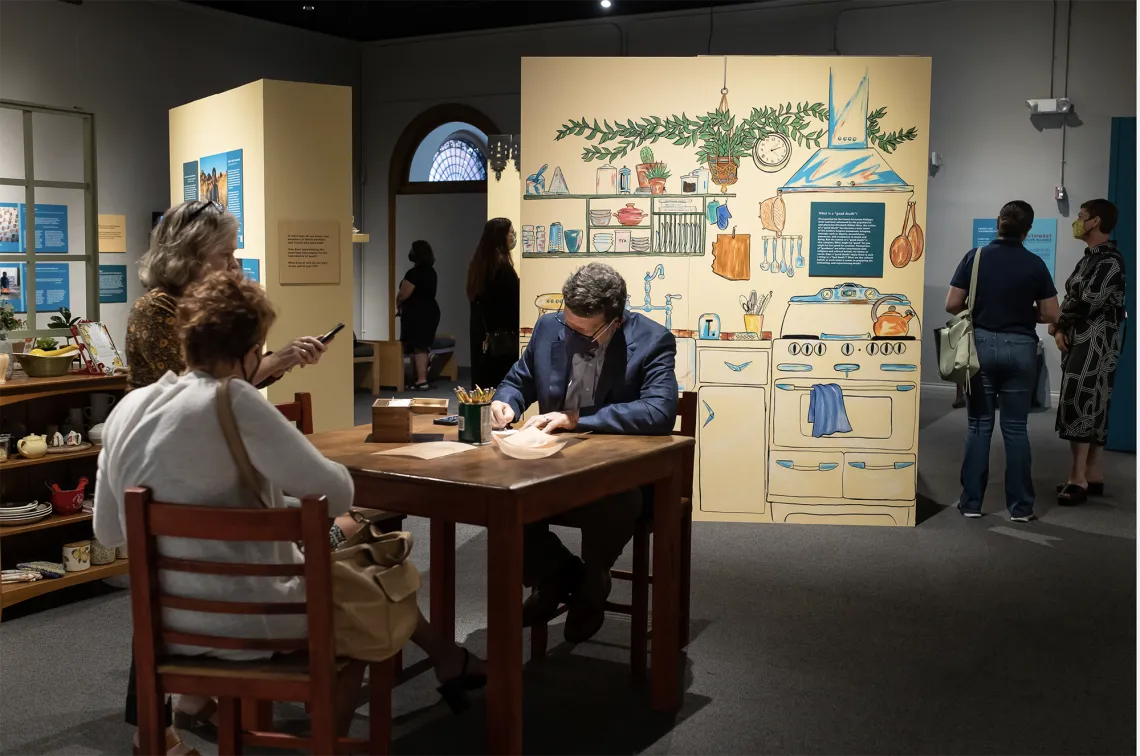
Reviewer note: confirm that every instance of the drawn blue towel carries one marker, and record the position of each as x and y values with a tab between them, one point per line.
826	412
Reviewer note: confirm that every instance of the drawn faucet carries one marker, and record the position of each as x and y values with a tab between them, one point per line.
658	272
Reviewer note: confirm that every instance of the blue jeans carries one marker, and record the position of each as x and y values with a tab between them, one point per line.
1007	375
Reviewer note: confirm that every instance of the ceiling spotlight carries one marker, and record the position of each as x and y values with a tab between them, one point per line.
606	3
308	7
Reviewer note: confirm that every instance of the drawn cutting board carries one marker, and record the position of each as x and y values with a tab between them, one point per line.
731	256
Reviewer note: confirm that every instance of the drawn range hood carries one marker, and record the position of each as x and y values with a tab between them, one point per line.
848	163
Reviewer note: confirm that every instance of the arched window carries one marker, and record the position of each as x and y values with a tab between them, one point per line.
458	160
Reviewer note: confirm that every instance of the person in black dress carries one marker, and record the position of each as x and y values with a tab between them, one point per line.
493	290
1089	334
418	310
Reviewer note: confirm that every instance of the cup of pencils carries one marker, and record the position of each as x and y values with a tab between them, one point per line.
475	415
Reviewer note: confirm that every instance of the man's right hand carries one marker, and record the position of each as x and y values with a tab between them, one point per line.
501	415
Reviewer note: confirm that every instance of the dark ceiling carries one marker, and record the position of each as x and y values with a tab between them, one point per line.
393	19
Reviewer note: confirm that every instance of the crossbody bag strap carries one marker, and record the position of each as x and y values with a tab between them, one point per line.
974	279
250	479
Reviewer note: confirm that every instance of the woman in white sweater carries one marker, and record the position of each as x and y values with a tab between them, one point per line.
167	437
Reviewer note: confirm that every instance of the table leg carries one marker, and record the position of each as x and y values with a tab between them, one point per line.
665	687
504	627
442	598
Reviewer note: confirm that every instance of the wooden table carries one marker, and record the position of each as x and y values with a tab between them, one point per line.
483	487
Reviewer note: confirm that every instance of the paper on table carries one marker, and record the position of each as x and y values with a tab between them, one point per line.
400	403
430	450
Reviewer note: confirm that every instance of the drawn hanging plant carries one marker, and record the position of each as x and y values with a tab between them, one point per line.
719	133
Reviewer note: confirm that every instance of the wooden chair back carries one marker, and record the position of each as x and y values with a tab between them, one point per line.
687	412
299	411
148	520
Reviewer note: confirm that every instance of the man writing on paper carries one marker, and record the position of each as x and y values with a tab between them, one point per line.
592	367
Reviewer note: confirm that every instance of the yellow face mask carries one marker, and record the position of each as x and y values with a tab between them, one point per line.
1078	229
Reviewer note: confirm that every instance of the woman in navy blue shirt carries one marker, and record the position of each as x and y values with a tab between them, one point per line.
1014	293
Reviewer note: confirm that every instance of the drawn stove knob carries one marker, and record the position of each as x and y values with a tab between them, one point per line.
807	349
900	348
848	349
793	349
872	348
820	349
887	348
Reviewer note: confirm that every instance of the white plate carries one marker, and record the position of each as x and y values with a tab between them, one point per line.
22	515
26	521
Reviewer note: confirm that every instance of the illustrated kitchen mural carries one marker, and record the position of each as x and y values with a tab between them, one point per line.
770	212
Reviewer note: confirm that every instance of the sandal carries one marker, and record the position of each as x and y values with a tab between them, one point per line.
174	746
454	691
1094	489
419	387
1071	495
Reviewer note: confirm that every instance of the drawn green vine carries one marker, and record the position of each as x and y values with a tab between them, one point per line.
719	132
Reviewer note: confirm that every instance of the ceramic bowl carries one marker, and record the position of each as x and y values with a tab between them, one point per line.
603	242
600	217
45	367
96	434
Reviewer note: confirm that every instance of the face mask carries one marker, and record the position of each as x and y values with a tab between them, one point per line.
256	366
1078	229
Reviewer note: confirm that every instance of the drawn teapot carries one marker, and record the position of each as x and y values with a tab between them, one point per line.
891	322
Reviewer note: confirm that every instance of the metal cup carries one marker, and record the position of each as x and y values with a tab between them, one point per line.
475	423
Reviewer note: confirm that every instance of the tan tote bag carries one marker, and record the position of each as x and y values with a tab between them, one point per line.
374	584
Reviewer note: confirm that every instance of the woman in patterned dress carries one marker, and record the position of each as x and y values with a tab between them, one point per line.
1089	335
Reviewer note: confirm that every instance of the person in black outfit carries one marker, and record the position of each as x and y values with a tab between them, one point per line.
493	290
418	310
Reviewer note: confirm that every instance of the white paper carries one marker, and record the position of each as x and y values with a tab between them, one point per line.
429	450
400	403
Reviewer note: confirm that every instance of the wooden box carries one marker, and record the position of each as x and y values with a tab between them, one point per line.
391	425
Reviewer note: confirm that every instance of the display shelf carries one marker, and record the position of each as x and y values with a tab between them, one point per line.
13	593
47	459
23	388
630	196
52	521
647	253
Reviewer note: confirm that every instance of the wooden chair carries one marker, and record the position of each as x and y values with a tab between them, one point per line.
308	670
299	411
638	608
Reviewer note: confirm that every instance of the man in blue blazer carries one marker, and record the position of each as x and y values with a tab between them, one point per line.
592	367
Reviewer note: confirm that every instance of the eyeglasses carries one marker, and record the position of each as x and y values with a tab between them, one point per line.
217	206
593	336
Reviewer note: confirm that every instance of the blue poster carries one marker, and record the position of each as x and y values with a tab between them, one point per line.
985	231
53	286
190	181
1042	239
251	267
51	227
112	284
847	239
220	180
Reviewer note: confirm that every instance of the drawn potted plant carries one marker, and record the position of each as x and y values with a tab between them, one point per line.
656	176
643	167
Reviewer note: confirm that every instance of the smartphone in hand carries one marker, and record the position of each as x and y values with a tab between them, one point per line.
331	334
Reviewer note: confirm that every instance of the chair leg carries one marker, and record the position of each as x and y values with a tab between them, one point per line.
229	727
376	371
686	569
257	715
538	641
151	708
639	609
324	727
380	680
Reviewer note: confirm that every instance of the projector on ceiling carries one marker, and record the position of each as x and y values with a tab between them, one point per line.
1051	105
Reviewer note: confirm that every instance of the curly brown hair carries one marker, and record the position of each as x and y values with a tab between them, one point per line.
221	318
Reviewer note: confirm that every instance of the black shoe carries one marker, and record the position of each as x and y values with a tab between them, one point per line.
454	691
1094	489
419	387
588	606
541	606
1071	495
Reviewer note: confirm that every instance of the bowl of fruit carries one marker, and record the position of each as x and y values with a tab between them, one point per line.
46	361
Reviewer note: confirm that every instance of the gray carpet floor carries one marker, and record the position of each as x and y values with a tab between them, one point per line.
954	637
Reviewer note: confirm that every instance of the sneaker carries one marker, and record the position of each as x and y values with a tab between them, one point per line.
970	515
1022	518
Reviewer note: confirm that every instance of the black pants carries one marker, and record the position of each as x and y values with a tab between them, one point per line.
131	715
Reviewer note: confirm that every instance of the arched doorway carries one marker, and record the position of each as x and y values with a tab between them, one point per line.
437	164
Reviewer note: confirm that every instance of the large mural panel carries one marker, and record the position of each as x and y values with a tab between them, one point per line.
770	212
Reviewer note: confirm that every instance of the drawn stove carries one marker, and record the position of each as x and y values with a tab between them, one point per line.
866	475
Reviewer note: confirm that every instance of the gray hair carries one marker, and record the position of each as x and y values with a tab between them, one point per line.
593	289
181	242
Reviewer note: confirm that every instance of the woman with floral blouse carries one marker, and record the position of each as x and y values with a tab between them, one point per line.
1089	335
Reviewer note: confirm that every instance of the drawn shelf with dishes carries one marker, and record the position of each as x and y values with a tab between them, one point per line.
620	225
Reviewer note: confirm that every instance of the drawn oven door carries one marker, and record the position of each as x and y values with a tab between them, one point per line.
730	443
883	416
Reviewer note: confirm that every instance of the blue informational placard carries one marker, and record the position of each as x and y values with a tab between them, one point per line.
112	284
847	239
51	227
251	267
1042	239
985	231
220	180
53	286
190	181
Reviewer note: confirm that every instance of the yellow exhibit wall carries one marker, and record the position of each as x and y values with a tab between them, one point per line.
777	230
296	142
